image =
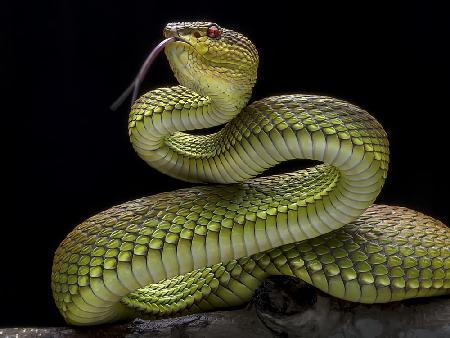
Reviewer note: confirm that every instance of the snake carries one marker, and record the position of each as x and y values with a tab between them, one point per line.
211	246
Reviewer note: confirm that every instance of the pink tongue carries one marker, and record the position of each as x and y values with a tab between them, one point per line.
134	86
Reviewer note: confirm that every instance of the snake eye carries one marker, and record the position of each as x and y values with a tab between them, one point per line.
196	34
213	31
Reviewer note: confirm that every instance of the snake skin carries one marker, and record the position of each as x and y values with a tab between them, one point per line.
211	246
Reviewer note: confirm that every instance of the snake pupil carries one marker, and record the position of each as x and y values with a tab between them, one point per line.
213	31
196	34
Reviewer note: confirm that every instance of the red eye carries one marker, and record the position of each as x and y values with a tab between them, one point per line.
213	31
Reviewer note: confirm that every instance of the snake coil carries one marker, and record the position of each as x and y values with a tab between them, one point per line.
211	246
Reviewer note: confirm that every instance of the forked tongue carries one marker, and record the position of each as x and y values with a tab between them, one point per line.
134	86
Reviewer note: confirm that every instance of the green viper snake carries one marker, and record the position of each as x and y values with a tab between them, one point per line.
211	246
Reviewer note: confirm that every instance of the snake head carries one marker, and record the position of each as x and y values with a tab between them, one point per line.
210	59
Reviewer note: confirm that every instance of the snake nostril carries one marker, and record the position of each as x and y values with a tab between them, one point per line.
169	31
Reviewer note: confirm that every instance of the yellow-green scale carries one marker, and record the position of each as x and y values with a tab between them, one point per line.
349	263
226	239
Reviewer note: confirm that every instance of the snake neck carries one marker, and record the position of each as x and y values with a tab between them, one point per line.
222	100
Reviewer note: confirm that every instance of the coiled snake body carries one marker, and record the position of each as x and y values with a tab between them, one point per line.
211	246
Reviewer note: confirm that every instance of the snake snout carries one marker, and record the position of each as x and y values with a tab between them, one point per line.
169	31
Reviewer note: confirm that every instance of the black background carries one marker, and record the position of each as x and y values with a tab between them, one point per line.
72	154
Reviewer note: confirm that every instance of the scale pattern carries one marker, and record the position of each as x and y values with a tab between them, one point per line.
211	246
387	254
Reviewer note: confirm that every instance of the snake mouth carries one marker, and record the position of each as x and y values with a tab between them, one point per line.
135	85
